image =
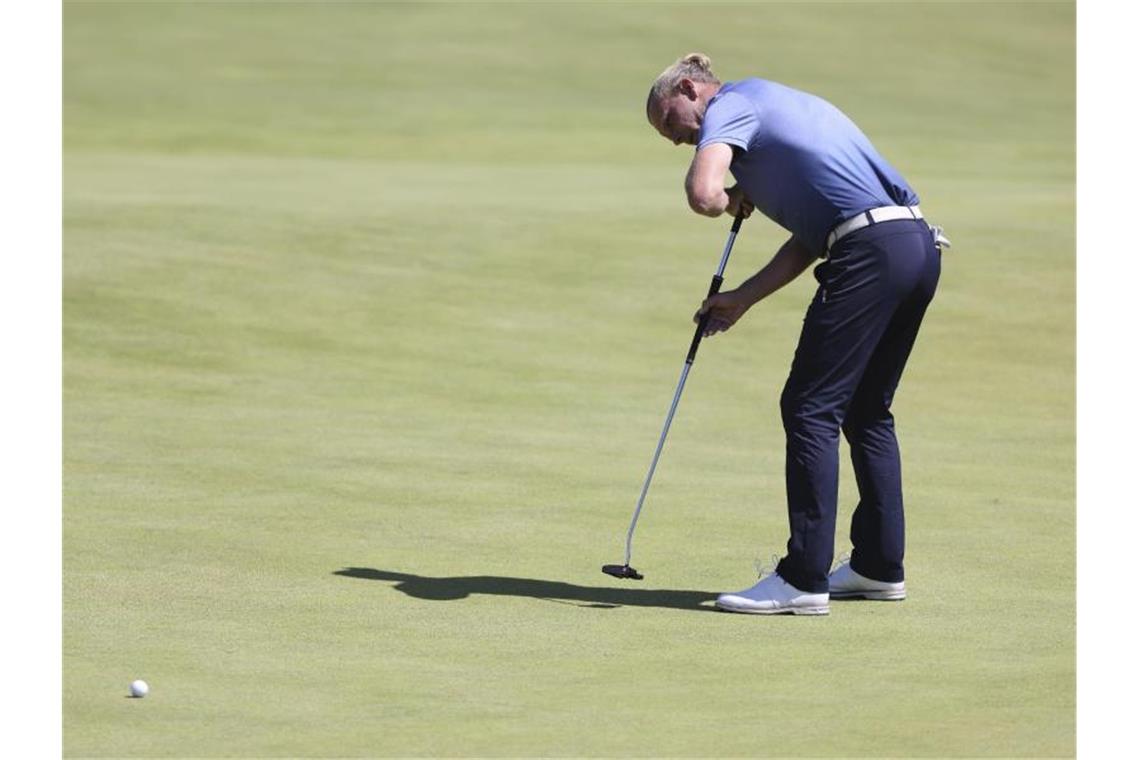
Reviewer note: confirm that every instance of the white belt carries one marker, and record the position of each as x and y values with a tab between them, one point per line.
873	216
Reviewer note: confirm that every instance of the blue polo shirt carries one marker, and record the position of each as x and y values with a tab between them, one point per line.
799	159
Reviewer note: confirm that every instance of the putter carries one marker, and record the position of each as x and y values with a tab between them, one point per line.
625	571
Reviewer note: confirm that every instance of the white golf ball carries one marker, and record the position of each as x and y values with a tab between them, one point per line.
139	688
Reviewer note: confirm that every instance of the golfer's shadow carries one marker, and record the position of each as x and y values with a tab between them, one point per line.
448	589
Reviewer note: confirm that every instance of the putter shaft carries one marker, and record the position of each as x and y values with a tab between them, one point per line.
718	278
653	464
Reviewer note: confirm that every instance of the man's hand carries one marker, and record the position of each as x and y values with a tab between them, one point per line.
737	202
723	310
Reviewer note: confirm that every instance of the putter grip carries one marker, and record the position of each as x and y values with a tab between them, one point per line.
714	288
739	220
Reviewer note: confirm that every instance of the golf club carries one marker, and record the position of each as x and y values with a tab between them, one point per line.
625	571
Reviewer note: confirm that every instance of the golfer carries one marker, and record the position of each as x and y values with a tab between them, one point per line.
807	167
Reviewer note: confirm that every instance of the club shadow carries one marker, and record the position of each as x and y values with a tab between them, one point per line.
450	589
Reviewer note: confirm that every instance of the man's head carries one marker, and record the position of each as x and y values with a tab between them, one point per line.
678	99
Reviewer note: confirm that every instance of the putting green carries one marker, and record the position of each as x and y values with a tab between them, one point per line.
372	316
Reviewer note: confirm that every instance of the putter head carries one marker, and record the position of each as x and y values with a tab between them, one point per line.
622	571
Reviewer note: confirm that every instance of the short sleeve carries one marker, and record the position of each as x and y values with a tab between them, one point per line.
730	118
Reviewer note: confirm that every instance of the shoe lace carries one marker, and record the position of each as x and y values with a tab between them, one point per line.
841	560
766	568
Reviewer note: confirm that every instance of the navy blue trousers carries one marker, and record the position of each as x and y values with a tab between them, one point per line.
857	335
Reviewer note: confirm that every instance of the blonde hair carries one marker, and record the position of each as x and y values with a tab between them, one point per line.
695	66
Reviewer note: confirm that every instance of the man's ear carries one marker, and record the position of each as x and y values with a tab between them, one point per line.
688	88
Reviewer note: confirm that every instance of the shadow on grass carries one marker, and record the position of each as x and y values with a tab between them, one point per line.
446	589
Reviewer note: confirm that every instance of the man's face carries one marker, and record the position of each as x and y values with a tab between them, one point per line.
678	117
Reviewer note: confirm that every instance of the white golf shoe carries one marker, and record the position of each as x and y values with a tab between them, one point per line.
774	596
845	583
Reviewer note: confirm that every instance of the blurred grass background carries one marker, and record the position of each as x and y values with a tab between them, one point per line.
406	288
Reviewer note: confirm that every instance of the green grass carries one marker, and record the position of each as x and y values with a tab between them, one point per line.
372	314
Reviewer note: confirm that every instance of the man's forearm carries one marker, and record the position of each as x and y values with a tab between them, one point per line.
711	204
705	197
788	263
704	183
